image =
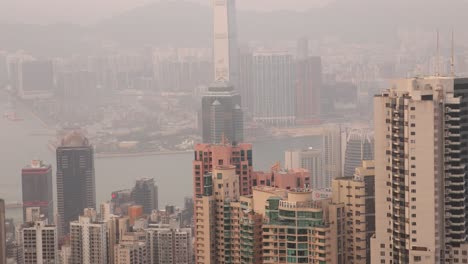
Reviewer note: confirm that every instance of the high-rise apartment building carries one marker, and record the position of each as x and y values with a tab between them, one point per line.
296	229
145	193
309	159
225	49
88	239
169	245
420	176
39	242
357	196
209	156
3	253
273	85
331	150
219	188
37	189
76	189
131	253
132	249
359	147
221	115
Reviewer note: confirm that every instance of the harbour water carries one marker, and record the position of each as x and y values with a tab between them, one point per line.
21	141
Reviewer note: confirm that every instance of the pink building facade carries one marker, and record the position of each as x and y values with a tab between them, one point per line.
282	178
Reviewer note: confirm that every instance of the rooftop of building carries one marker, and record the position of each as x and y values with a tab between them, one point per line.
74	139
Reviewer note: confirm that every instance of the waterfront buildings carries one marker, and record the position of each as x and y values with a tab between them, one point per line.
35	79
308	72
309	159
76	189
39	242
357	194
225	49
273	85
88	239
221	114
2	232
359	147
420	175
209	156
169	245
37	189
145	193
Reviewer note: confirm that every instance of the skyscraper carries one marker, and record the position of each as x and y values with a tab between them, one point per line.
421	153
2	232
145	193
225	49
331	150
88	239
274	94
36	182
39	243
309	159
221	115
76	188
359	147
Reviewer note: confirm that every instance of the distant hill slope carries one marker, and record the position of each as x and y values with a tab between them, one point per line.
179	23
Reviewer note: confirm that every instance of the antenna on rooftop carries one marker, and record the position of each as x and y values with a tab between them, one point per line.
452	61
438	56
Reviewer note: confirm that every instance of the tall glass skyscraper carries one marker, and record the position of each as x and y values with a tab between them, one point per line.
76	188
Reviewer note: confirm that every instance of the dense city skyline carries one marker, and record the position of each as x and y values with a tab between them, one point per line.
233	132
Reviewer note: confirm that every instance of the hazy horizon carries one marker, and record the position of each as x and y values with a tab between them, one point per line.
92	11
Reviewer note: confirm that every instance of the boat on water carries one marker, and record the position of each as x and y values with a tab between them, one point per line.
12	116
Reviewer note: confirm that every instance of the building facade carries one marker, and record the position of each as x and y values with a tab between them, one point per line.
145	193
209	156
332	154
308	85
309	159
37	189
356	194
222	118
359	147
76	187
273	85
225	49
39	243
88	239
3	253
420	173
169	245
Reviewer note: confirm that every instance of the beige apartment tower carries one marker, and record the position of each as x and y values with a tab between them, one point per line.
356	194
421	153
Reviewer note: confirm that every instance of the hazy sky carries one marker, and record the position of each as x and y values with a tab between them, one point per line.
88	11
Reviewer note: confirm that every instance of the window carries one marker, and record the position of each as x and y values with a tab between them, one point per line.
417	258
413	133
413	199
413	182
413	125
413	191
413	108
